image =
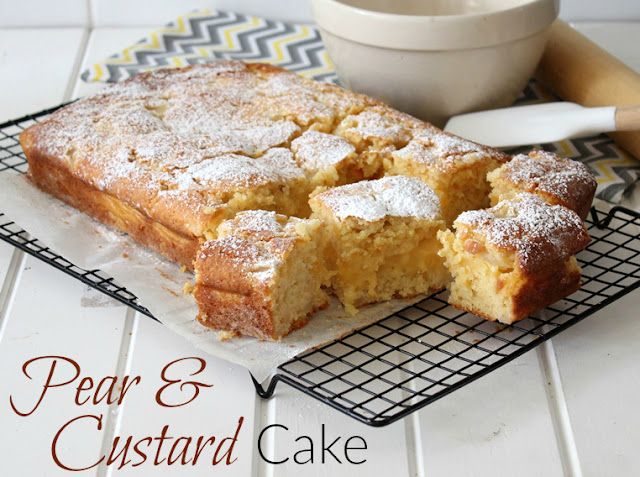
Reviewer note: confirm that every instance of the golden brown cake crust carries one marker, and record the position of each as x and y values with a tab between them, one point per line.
556	179
236	273
513	259
247	315
229	296
541	235
228	302
48	175
447	153
537	292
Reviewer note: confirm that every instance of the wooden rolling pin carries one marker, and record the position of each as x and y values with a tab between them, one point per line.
578	70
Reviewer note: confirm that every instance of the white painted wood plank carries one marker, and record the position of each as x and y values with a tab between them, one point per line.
499	425
117	13
595	10
36	13
42	311
619	38
103	43
598	362
46	318
35	65
215	412
597	359
25	56
5	257
386	452
154	13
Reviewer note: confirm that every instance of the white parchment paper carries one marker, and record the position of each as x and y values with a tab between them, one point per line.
158	283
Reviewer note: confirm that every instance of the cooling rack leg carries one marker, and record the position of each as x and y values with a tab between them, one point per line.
594	217
268	393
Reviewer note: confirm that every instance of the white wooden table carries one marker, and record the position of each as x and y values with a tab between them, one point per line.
568	408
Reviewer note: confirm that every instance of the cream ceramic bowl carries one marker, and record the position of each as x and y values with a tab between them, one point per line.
436	58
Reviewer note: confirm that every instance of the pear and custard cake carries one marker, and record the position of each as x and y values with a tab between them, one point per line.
169	154
263	276
376	133
514	258
456	169
381	239
216	164
555	179
327	159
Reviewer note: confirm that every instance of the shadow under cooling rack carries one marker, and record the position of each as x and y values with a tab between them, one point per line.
385	371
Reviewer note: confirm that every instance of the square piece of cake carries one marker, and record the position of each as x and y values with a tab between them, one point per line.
456	169
382	239
376	132
555	179
263	276
514	258
328	160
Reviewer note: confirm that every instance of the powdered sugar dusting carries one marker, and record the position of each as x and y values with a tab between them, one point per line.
540	234
263	224
316	150
435	148
370	124
259	260
232	171
393	196
569	181
256	241
211	127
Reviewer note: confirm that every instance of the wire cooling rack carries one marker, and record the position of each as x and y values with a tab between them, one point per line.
387	370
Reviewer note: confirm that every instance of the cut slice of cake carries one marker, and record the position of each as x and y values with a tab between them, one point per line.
235	183
263	276
328	160
376	132
382	239
514	258
555	179
456	169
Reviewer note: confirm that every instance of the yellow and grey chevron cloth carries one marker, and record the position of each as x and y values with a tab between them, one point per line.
207	35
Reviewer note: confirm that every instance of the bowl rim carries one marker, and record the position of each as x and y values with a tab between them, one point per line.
434	32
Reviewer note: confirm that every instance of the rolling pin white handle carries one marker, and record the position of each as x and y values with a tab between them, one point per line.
628	118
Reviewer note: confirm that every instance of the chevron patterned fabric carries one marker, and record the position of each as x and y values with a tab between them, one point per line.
208	35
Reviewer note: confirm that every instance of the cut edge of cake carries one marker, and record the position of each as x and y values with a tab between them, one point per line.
514	258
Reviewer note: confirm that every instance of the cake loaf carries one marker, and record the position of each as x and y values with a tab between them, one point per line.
173	156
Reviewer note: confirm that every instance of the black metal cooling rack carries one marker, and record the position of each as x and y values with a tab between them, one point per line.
387	370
